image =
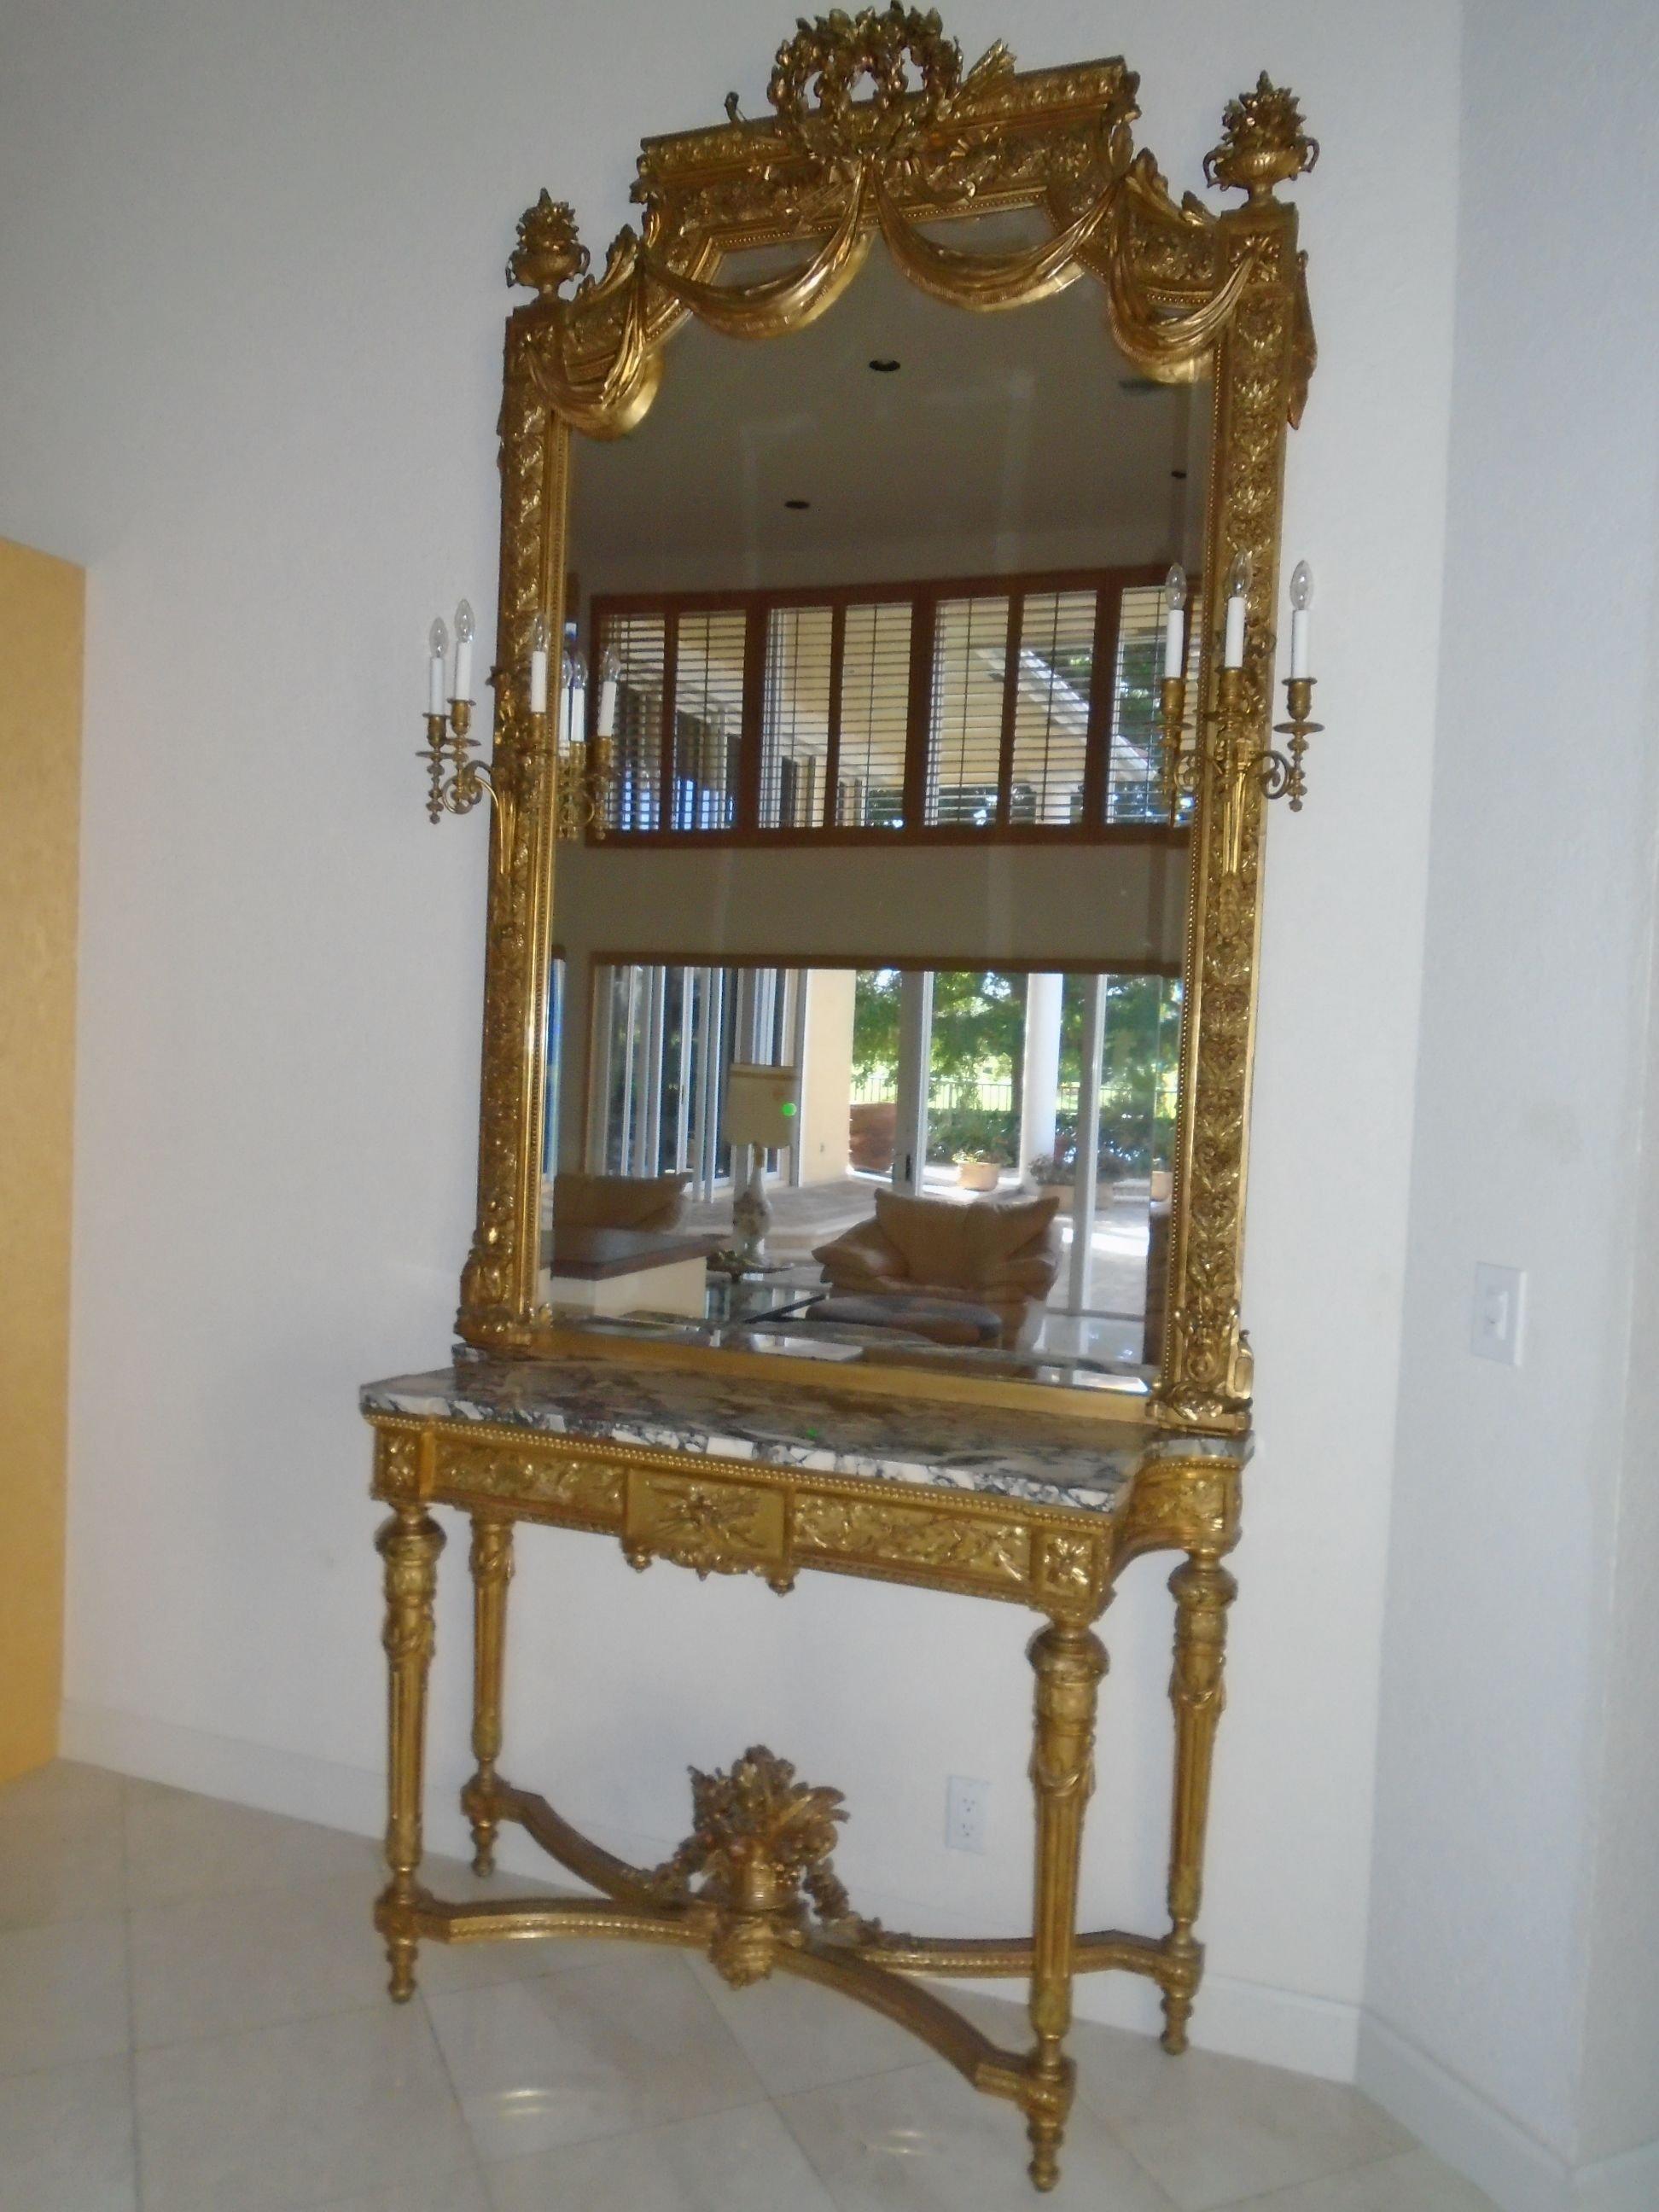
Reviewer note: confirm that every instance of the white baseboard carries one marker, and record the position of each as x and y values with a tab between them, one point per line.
303	1787
1239	2019
297	1785
1310	2035
1517	2172
1629	2183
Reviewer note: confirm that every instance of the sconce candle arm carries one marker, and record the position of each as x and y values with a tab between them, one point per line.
1223	749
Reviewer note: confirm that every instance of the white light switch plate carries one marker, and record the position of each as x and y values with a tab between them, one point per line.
1498	1311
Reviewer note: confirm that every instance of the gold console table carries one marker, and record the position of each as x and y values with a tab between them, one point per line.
740	1474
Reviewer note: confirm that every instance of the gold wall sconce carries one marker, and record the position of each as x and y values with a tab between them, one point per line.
584	769
1223	748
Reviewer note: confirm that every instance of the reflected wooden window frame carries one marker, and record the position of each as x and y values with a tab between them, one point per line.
741	802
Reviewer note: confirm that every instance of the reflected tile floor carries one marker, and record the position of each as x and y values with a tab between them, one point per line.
193	2019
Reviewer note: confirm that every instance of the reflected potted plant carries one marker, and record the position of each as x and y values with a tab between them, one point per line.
975	1172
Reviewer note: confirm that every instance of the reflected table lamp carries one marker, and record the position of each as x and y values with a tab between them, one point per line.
761	1112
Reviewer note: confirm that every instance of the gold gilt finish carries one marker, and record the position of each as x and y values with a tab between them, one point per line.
760	1845
876	126
755	1885
409	1544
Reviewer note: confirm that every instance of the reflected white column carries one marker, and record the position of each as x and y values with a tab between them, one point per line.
1040	1087
1084	1189
915	1054
682	1086
601	1034
714	1030
800	993
630	1030
647	1139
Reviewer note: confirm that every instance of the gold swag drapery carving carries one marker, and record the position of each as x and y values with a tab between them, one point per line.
912	156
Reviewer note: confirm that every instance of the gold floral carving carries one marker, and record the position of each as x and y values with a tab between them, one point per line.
409	1544
982	1550
759	1854
875	127
1264	144
592	1488
713	1527
1069	1566
397	1464
1190	1505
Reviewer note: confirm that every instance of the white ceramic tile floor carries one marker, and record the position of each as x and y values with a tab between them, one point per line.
193	2019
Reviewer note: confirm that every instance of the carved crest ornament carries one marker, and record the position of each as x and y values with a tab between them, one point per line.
875	128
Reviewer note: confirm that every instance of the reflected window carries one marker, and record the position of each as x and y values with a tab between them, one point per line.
1025	706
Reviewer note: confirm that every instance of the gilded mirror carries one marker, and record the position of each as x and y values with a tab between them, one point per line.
868	985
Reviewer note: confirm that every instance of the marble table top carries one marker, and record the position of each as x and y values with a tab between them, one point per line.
691	1409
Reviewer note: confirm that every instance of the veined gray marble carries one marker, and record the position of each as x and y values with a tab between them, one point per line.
663	1408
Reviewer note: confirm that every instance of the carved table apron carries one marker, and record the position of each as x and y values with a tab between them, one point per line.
731	1476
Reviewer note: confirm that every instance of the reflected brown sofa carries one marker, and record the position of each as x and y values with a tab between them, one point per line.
655	1203
1001	1254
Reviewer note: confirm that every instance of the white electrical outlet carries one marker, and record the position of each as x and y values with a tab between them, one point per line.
1498	1311
965	1801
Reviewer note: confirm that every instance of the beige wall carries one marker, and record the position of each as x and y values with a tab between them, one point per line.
1064	906
826	1086
43	603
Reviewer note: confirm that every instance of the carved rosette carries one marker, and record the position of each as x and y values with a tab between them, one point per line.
874	124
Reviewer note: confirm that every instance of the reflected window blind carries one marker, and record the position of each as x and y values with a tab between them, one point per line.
874	717
640	643
1019	705
796	718
1134	784
964	749
707	718
1054	676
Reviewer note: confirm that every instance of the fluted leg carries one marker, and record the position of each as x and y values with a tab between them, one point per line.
1069	1662
409	1543
1203	1590
492	1571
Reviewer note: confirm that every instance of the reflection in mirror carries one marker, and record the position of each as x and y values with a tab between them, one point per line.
867	1013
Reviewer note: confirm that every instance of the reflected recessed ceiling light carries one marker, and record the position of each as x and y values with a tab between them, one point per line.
800	505
883	367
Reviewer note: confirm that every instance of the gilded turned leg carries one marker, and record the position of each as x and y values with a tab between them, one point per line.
409	1543
1069	1662
492	1571
1203	1590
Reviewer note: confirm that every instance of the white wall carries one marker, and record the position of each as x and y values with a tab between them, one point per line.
1502	1587
248	375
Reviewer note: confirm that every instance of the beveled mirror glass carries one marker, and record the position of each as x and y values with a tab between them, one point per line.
853	944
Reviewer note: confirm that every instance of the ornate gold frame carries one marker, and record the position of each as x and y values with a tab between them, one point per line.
876	126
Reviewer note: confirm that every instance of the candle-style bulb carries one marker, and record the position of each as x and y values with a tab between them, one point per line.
540	635
464	624
1239	576
1302	588
437	643
1174	585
